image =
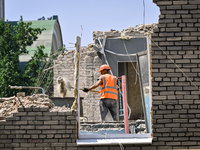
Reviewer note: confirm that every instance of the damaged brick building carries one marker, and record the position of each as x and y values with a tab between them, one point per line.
175	93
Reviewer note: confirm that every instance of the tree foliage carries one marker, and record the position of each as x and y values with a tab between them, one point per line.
13	42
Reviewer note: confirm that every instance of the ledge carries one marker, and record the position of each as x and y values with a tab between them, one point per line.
114	141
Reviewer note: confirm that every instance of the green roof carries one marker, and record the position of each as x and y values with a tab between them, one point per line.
45	38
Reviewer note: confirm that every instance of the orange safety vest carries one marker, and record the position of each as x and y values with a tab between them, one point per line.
109	87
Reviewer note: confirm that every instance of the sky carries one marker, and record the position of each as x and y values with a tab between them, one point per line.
92	15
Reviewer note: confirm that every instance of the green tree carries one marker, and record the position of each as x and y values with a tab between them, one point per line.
13	43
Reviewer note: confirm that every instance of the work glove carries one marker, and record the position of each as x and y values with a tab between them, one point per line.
85	90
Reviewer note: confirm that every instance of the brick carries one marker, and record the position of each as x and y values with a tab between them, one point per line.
19	140
50	113
71	117
18	131
181	138
58	118
179	129
166	43
173	29
20	109
5	141
20	114
166	83
58	126
49	131
52	141
164	120
27	145
27	127
27	109
27	118
191	96
58	144
34	113
27	136
11	127
194	2
19	122
43	118
33	131
11	144
179	2
171	116
189	143
159	3
43	127
188	125
164	12
180	120
172	125
186	16
50	122
163	130
36	122
194	43
166	34
44	109
36	109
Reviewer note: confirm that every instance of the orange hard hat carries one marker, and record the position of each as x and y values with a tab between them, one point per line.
104	67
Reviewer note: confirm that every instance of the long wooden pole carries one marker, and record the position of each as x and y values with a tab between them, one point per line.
126	123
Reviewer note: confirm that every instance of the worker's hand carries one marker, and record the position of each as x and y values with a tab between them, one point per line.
85	90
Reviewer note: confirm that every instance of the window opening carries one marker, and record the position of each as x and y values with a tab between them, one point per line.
138	103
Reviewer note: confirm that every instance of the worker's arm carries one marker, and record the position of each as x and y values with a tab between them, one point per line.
95	85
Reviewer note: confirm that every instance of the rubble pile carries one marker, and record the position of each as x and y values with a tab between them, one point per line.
141	29
10	105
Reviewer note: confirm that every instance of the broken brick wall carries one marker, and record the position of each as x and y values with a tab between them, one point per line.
37	128
89	66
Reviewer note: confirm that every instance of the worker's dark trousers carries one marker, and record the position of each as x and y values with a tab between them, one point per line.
108	104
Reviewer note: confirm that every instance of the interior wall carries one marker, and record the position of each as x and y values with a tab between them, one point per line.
134	95
133	89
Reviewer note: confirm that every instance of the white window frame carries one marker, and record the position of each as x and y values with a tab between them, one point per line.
112	139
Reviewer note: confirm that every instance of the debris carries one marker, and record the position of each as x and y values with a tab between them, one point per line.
10	105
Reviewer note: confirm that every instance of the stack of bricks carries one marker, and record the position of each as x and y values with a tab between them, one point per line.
175	98
38	129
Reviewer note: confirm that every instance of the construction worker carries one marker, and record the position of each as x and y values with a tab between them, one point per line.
109	92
